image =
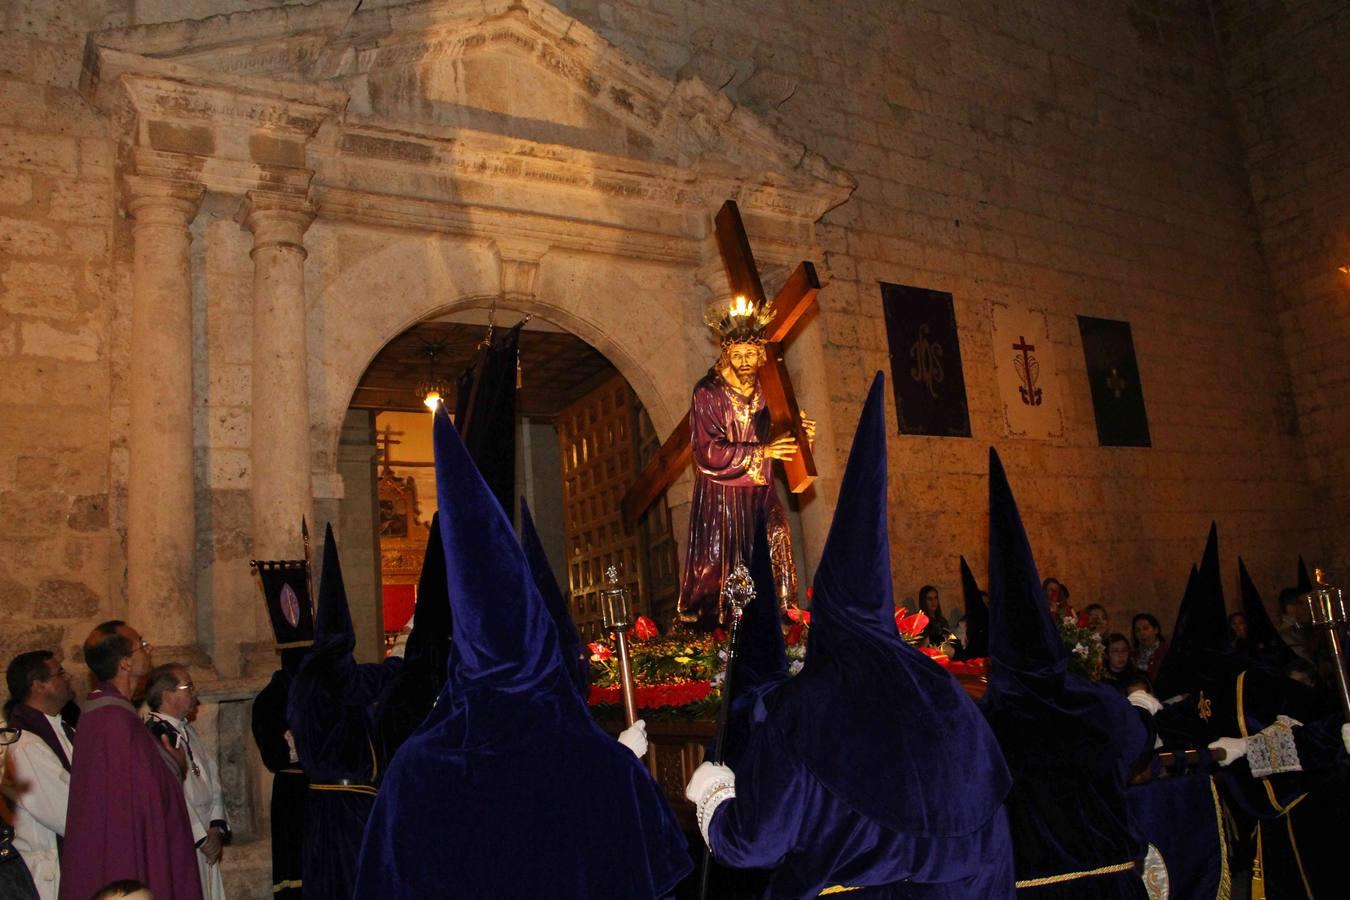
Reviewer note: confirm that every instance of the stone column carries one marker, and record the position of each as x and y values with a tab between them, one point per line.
281	454
161	534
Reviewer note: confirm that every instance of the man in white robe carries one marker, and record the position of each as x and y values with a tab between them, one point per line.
36	777
172	697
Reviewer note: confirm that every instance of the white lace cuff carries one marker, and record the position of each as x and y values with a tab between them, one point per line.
1272	750
717	793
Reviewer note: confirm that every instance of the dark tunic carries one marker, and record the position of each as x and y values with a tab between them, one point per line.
289	785
733	486
332	713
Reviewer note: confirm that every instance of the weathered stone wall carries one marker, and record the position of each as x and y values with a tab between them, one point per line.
1098	158
1289	80
1081	161
1077	158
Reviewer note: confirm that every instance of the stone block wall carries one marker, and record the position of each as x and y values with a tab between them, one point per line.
64	295
1289	80
1078	160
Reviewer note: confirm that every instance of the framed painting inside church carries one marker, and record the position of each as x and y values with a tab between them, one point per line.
926	374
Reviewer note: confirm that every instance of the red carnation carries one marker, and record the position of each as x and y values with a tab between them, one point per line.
644	629
599	651
910	624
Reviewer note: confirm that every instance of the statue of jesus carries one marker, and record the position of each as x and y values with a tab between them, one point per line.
733	471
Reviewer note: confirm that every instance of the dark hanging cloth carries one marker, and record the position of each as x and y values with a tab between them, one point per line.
1069	742
290	786
976	644
426	655
871	769
509	771
486	414
333	709
1182	817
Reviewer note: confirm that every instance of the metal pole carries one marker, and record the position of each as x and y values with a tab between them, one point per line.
626	679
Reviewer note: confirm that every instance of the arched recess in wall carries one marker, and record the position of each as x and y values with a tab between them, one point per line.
402	283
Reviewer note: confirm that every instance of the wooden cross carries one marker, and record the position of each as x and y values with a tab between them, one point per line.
793	301
387	440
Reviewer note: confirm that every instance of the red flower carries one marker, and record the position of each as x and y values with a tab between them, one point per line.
644	629
599	651
654	696
719	635
810	593
794	635
797	614
910	624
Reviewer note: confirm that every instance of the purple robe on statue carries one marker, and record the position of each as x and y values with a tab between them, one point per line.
733	486
126	816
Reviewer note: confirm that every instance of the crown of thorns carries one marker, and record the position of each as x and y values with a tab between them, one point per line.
740	321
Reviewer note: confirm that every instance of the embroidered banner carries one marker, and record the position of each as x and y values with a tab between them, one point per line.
930	388
1028	385
1113	374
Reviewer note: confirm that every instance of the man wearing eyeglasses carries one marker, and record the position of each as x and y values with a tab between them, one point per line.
126	818
37	779
15	881
172	698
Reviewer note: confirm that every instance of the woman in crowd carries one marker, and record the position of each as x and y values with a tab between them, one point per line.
1118	667
1150	647
937	632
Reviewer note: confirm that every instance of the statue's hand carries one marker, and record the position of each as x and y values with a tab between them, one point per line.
783	448
810	426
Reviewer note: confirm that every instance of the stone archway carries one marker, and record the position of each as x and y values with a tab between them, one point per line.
389	164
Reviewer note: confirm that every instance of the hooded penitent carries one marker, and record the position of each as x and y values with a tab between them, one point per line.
1265	647
576	658
427	653
509	769
290	610
863	694
1199	642
977	615
871	769
1069	741
334	706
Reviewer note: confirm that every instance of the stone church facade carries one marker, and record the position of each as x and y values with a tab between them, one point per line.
213	215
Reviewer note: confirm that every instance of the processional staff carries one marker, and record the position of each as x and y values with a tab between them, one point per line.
738	592
1326	606
617	615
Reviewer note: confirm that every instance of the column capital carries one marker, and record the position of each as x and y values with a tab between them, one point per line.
154	200
276	219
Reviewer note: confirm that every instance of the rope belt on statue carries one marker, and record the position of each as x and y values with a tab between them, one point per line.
1074	876
344	784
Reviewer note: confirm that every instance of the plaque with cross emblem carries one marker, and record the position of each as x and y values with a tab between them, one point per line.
1113	374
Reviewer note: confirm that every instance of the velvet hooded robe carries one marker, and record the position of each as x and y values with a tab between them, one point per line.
871	769
126	817
290	785
1069	742
333	710
509	771
733	488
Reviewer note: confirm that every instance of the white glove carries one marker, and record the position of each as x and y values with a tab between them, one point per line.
710	786
634	737
1145	701
1345	736
1233	748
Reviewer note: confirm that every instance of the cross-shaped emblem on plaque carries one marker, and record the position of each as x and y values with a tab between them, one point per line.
792	302
1116	383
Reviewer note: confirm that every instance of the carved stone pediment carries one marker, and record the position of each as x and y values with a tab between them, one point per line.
401	100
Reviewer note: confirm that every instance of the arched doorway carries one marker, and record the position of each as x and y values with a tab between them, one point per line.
580	436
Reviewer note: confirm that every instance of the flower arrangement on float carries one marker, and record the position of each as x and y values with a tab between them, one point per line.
680	677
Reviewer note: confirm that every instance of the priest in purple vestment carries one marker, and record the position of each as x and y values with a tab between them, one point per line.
126	818
733	471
